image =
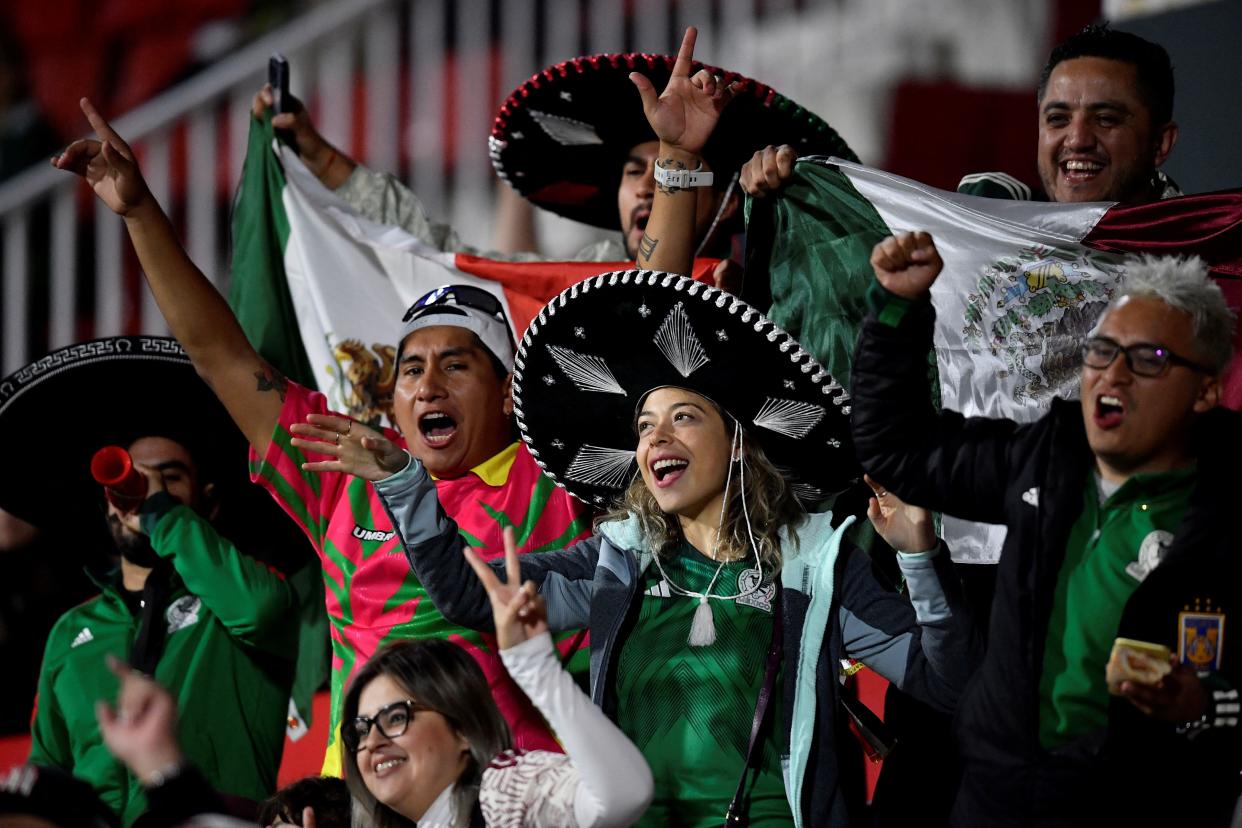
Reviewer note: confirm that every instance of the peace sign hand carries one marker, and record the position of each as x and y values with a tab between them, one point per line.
517	608
686	112
108	165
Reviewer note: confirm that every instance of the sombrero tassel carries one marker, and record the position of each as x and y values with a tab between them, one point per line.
703	627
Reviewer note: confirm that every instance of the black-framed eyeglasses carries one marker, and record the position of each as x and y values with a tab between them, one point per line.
1143	359
465	295
392	721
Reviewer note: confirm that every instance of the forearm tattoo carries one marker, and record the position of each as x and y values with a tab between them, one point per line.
269	379
647	246
670	164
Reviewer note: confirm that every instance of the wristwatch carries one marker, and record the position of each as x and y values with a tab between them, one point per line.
683	179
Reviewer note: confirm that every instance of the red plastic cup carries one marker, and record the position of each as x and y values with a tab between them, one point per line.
124	486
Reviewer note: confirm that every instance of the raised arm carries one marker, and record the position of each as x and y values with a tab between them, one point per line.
379	196
938	460
197	314
614	784
682	117
255	604
326	162
768	170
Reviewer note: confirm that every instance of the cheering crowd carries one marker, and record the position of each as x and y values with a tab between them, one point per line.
613	570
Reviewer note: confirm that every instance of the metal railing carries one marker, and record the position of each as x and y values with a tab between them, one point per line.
66	274
411	87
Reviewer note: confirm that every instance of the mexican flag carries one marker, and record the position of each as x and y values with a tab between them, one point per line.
320	290
1023	281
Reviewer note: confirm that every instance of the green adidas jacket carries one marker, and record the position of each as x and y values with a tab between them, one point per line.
228	660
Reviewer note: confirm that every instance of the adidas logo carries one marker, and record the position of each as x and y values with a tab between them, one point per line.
82	637
1031	496
660	590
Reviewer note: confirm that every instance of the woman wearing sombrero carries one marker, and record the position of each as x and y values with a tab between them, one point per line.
719	607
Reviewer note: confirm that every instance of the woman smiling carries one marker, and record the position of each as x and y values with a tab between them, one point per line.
720	604
430	747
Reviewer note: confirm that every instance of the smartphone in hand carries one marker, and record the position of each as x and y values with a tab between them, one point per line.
278	77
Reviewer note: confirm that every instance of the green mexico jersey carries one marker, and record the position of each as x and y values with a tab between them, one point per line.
689	709
1112	547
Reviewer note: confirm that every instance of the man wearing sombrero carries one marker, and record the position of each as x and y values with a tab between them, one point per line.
573	140
215	626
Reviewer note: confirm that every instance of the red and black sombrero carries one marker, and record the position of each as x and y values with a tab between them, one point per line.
561	138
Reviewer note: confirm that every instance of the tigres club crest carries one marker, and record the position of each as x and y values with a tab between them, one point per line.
367	380
1034	309
1201	635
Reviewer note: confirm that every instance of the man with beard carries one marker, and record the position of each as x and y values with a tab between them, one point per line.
186	607
573	140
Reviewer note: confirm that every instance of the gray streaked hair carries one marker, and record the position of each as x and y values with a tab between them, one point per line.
1184	284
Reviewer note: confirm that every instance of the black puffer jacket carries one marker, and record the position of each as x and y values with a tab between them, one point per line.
1031	478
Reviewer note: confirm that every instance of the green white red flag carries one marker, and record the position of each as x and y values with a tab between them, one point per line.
1023	281
320	290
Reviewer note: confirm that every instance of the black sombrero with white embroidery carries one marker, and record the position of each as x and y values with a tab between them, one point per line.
68	404
598	348
561	138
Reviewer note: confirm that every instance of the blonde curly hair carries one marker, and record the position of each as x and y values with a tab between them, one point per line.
768	498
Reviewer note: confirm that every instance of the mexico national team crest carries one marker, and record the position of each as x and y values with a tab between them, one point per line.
1201	637
1151	552
183	612
761	596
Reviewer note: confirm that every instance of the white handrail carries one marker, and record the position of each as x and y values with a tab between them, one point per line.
204	88
410	77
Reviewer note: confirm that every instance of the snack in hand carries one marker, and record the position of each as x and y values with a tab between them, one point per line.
1138	661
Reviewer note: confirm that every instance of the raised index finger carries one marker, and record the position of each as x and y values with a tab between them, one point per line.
685	55
103	129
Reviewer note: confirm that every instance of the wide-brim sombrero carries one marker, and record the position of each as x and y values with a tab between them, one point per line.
59	410
561	138
598	348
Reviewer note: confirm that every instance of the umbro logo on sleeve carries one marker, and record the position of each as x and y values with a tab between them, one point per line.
364	534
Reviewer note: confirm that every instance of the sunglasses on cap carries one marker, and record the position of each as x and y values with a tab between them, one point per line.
465	296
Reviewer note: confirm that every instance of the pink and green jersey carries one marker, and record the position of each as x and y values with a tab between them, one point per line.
373	596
